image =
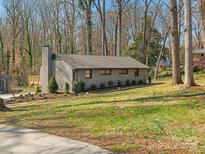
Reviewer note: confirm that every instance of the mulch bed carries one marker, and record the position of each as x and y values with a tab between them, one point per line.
3	108
32	97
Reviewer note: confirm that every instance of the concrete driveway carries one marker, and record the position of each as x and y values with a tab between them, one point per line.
27	141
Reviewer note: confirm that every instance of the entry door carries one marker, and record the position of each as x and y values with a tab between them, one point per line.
2	90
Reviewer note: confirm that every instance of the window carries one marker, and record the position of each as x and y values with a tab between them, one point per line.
105	72
88	74
123	71
202	54
137	72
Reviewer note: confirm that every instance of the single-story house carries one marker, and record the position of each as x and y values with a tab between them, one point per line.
90	69
4	83
199	58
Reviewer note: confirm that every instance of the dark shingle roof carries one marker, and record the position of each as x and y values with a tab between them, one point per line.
91	61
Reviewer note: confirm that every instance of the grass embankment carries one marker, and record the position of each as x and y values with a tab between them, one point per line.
159	119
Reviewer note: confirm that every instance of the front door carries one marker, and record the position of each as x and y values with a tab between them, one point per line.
2	88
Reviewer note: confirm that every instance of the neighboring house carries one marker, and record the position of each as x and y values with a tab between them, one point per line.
89	69
199	58
4	83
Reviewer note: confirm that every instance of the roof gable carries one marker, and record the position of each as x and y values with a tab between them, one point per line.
95	62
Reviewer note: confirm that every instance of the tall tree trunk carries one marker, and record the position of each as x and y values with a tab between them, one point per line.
14	50
8	56
202	13
144	39
176	75
116	38
119	29
89	29
189	80
105	48
2	51
29	42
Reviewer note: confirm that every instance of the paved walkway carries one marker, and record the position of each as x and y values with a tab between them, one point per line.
27	141
8	97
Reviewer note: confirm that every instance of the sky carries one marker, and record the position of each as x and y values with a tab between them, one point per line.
1	7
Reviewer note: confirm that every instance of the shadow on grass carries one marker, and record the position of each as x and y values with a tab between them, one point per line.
110	90
160	98
43	113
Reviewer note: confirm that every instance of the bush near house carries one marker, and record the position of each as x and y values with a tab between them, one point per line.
196	69
82	86
119	83
79	86
52	85
134	82
140	82
67	88
102	86
76	88
110	84
93	87
127	82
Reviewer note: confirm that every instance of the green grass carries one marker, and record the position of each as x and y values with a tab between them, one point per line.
161	118
124	148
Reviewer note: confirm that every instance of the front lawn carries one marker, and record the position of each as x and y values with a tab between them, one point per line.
159	119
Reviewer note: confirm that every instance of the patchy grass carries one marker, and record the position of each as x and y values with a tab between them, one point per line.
160	118
124	147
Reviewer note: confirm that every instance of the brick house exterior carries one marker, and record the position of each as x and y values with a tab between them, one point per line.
199	58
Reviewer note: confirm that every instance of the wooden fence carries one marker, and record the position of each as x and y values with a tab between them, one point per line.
33	80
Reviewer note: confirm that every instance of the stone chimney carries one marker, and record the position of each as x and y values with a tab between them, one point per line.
46	68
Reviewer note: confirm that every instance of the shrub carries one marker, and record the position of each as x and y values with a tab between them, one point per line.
134	82
110	84
149	79
82	86
93	87
67	88
102	86
119	84
76	87
127	82
196	69
140	82
52	85
37	89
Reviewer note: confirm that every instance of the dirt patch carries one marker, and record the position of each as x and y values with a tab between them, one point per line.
145	145
31	97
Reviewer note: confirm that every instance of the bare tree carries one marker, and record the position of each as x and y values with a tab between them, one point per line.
147	38
189	80
70	9
202	13
101	10
144	41
166	32
176	75
12	9
119	6
2	46
86	6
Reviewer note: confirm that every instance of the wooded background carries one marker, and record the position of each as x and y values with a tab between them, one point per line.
147	30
